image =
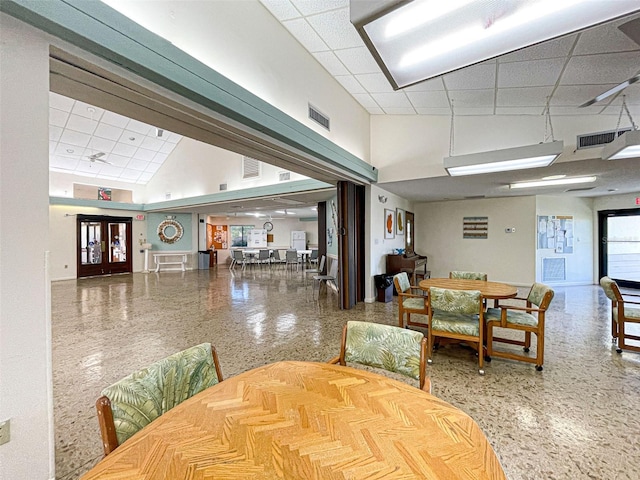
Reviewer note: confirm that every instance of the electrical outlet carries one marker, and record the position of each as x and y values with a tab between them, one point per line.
5	432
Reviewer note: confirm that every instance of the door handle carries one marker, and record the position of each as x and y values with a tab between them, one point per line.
103	246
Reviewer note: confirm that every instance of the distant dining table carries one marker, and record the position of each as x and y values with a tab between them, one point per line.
491	290
306	420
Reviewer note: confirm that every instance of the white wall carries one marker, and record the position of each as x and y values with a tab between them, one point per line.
579	264
25	316
61	185
505	257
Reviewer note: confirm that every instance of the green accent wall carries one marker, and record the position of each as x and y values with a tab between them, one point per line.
184	244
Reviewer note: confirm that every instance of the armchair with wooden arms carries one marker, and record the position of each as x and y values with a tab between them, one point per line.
136	400
529	319
408	301
623	311
383	346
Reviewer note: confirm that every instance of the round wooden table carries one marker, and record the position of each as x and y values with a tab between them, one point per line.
304	420
494	290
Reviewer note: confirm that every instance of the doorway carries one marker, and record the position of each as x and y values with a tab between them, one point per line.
619	252
104	245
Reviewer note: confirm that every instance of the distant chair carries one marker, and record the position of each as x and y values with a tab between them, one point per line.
276	259
291	259
332	276
237	257
313	258
408	301
264	257
316	271
468	275
623	311
135	401
384	346
528	318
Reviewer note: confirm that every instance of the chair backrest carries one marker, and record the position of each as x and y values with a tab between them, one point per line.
455	301
263	255
138	399
468	275
292	256
611	289
321	265
540	295
314	254
238	255
401	281
333	270
384	346
276	255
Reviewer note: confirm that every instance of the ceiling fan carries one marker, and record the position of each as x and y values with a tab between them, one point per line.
96	158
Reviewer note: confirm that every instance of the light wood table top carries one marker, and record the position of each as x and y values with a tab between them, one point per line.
493	290
303	420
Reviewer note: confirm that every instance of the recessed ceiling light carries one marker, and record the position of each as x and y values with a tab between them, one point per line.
132	138
70	150
91	110
549	183
553	177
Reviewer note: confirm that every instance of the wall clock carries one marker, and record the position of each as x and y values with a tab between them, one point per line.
268	226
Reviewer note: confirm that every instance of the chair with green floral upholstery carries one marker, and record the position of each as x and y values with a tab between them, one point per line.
383	346
136	400
468	275
623	311
456	315
528	318
408	301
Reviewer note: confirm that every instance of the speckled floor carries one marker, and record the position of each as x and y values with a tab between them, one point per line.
578	419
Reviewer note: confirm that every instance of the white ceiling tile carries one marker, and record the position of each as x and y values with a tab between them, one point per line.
559	47
101	145
365	100
86	110
54	133
75	138
281	9
519	110
167	147
475	77
111	171
153	167
604	39
173	137
593	110
631	95
131	138
434	111
399	111
375	83
614	110
81	124
130	175
52	147
471	99
60	102
312	7
58	118
117	160
145	176
537	73
139	165
306	35
114	119
358	60
523	97
144	154
466	112
107	131
331	63
426	86
160	157
139	127
392	100
608	68
350	84
429	99
66	150
574	95
124	149
66	163
152	143
336	29
90	167
375	111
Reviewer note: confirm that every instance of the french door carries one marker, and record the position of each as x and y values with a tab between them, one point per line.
619	256
104	245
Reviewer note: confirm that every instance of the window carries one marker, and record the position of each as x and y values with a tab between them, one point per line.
240	234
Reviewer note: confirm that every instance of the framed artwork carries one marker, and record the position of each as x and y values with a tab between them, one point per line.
400	217
104	194
389	223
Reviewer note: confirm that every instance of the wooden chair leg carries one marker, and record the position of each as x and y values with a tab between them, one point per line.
527	341
540	352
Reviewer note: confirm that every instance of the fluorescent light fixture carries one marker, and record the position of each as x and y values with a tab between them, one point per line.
416	40
626	145
518	158
550	183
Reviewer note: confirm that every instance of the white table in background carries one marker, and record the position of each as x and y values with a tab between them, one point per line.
170	258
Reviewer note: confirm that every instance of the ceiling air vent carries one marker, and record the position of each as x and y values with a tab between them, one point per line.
223	187
284	176
318	117
584	189
599	139
250	168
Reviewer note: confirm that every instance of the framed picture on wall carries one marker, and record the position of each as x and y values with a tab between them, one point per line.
389	223
400	216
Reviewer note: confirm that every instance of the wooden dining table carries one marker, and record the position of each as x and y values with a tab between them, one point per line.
492	290
306	420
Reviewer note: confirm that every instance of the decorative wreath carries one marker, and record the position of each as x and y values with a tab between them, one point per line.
162	228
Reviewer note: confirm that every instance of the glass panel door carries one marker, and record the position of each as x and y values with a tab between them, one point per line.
620	246
103	245
117	242
91	243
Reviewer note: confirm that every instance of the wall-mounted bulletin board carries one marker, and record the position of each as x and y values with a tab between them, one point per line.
217	236
555	232
475	227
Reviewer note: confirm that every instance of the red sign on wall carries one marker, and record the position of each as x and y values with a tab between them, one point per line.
637	200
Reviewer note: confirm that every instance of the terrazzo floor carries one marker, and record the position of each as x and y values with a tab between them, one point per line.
578	419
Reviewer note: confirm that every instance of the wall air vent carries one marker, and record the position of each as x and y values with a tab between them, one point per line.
553	269
223	187
284	176
250	168
318	117
591	140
